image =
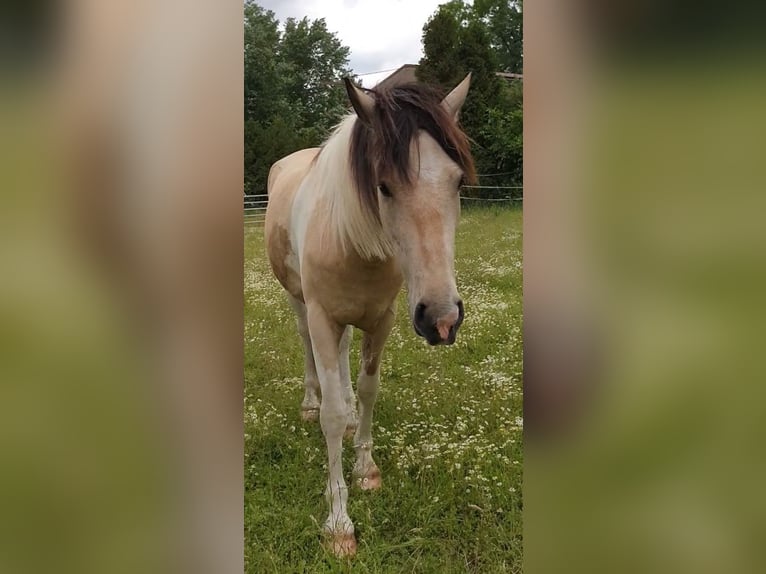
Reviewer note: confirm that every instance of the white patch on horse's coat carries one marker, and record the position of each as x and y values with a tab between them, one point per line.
332	418
303	207
435	167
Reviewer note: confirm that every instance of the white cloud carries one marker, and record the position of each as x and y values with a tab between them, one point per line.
381	34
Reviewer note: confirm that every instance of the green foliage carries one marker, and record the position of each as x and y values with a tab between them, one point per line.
504	22
315	62
262	78
461	38
441	39
293	89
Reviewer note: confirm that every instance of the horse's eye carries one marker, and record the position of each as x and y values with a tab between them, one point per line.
384	190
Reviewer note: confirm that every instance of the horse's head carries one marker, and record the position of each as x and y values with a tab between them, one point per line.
412	157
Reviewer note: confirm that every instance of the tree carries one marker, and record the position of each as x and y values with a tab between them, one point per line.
457	39
504	21
294	92
262	79
314	65
502	135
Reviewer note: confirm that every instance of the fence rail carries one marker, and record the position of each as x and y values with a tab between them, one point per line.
255	208
255	205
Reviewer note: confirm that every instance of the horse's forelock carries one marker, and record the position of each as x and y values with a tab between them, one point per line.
382	150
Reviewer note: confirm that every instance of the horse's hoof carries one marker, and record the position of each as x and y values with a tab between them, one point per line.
349	432
341	545
310	415
371	481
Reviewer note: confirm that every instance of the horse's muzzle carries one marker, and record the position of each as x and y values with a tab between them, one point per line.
438	328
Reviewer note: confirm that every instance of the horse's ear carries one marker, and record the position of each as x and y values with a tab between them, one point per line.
363	103
455	99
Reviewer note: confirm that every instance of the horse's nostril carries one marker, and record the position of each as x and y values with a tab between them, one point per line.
420	312
460	311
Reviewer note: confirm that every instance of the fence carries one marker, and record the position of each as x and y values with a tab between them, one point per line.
255	205
479	197
255	209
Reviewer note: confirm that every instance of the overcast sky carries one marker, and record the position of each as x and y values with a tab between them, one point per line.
382	34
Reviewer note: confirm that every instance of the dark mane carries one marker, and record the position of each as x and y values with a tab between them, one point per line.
381	152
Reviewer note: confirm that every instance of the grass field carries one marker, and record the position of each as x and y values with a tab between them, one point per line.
447	428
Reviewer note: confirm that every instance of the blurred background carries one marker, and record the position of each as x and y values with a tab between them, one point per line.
644	269
121	286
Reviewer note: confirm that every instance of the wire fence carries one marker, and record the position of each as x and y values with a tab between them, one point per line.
255	205
255	209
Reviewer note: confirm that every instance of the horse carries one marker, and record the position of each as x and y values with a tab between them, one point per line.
347	224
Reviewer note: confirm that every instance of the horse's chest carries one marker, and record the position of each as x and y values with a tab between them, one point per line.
354	295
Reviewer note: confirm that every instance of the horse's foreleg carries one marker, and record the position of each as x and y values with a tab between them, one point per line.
326	337
310	404
366	472
345	378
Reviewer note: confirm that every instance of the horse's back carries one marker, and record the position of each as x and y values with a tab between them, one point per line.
285	178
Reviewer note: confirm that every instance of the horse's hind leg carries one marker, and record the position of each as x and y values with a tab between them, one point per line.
310	404
347	390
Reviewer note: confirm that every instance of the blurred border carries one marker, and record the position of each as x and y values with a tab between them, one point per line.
121	292
644	265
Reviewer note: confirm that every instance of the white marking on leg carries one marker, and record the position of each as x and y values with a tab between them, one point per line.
325	339
332	418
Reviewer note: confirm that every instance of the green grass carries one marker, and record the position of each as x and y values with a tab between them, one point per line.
447	428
